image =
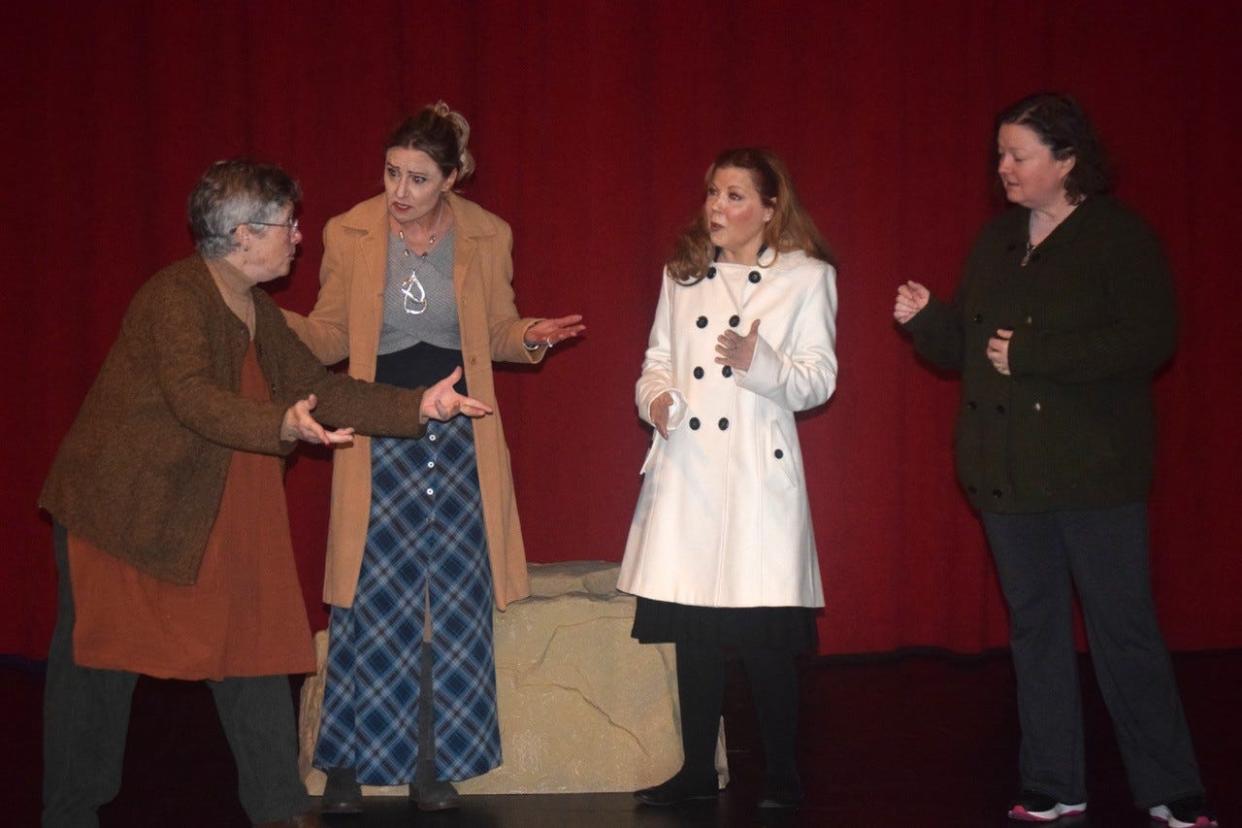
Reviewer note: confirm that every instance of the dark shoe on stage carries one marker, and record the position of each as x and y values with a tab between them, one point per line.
341	793
306	820
678	791
784	793
435	796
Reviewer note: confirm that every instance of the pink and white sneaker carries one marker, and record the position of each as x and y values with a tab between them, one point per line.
1188	812
1036	807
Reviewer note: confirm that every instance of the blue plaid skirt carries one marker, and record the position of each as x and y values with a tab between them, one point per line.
426	541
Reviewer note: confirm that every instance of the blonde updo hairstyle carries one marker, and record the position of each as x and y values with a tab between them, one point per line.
441	133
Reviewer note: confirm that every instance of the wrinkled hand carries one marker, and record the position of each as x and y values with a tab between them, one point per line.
737	351
300	425
442	402
659	413
551	331
911	298
998	350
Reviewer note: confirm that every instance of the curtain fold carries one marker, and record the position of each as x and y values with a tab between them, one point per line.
593	123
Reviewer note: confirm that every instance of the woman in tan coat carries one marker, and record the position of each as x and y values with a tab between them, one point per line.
424	535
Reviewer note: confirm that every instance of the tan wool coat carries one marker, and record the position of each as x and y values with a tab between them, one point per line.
346	322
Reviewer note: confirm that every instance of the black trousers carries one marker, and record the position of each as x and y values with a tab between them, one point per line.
1040	559
86	720
700	689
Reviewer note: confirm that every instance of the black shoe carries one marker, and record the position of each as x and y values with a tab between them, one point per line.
341	793
435	796
782	793
679	790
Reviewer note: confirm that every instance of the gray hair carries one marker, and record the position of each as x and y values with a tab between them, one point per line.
232	193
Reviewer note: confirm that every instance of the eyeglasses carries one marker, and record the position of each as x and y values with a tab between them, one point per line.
291	225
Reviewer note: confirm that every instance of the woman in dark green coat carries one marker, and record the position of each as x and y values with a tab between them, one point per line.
1064	313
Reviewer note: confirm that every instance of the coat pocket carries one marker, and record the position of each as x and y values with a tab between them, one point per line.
781	457
649	460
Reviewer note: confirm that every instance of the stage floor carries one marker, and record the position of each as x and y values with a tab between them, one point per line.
918	740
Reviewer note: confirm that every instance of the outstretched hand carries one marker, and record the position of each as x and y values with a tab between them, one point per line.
442	402
300	425
549	332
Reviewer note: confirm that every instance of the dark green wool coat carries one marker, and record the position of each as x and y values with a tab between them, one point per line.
1093	319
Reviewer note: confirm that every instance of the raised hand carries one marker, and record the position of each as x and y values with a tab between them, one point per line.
912	297
737	351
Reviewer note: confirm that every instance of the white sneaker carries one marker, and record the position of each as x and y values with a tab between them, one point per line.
1037	807
1190	812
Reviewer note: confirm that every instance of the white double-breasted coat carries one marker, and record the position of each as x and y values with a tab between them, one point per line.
723	518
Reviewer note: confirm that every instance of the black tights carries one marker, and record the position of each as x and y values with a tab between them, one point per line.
700	692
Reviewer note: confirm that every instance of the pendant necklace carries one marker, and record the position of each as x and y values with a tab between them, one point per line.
414	296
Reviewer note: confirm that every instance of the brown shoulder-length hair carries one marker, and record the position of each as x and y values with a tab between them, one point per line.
791	227
1062	126
442	133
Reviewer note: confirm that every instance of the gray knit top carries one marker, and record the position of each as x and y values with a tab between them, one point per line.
437	325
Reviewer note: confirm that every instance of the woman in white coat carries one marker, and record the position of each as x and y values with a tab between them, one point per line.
721	552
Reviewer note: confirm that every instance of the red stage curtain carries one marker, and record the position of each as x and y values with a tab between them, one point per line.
593	122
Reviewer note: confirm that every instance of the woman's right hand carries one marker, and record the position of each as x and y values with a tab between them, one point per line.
659	413
442	402
911	298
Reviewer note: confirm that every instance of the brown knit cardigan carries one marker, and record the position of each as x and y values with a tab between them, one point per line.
142	469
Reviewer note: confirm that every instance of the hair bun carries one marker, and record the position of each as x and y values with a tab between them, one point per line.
465	158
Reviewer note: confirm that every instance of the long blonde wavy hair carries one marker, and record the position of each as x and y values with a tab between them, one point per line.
791	227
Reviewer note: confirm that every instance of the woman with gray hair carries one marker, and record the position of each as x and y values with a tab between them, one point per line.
170	528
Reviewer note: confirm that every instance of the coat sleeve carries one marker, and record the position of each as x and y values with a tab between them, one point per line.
1137	331
326	329
176	328
506	328
805	375
657	375
344	402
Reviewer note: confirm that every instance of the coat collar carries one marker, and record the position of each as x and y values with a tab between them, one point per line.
1064	233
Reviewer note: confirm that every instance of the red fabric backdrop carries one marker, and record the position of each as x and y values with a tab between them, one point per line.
593	123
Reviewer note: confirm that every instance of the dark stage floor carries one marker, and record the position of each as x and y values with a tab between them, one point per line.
917	740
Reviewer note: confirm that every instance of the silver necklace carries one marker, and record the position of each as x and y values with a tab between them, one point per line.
414	295
1026	257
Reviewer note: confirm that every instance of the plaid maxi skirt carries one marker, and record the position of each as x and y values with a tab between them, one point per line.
425	542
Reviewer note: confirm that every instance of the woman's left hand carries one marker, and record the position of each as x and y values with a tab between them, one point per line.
998	350
299	424
442	402
551	331
737	351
